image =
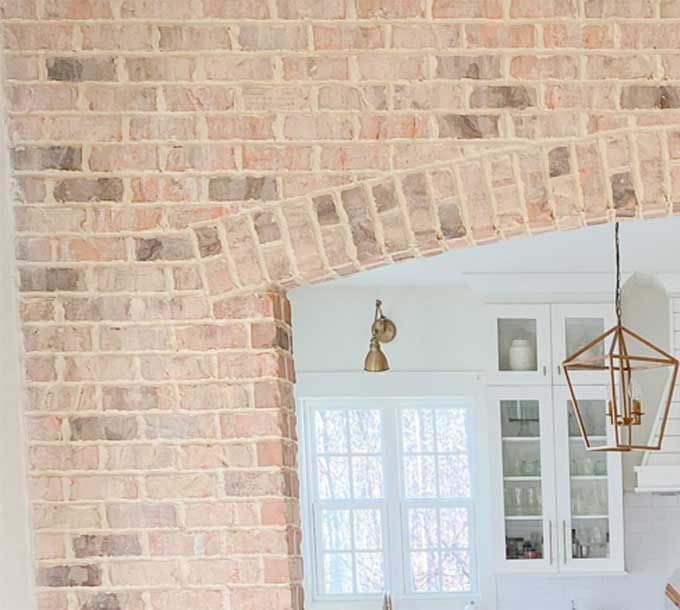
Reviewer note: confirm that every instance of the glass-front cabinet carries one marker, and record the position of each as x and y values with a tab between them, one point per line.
573	327
522	424
561	508
530	342
589	485
521	346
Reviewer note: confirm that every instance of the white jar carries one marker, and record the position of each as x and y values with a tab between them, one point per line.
521	355
470	606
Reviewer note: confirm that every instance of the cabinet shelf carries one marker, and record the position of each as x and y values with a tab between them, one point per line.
588	477
586	517
591	438
523	478
521	439
524	517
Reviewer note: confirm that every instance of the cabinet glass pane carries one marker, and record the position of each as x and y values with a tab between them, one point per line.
517	344
589	489
580	331
523	501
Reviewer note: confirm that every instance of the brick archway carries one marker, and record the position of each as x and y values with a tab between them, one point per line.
249	259
177	166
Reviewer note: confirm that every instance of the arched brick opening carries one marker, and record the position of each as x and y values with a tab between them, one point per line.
499	194
152	142
249	260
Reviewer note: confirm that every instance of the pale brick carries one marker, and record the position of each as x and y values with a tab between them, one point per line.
468	126
65	517
193	38
164	248
86	69
420	36
490	36
113	36
243	188
217	572
89	189
107	487
69	576
131	97
103	428
51	279
502	97
546	8
85	9
182	98
236	9
35	98
348	37
188	598
462	9
106	546
144	573
110	601
141	515
184	544
181	486
484	67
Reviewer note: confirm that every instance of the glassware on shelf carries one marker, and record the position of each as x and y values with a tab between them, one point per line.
601	467
518	500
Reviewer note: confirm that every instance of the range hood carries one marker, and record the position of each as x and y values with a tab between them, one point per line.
660	470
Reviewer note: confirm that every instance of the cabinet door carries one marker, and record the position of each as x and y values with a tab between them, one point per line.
589	486
521	346
573	327
523	479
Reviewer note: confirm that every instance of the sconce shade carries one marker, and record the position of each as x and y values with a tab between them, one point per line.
376	361
624	410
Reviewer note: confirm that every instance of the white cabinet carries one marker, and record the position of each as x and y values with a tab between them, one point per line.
521	423
573	327
530	342
559	507
521	348
589	486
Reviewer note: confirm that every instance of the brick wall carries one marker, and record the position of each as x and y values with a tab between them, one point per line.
178	165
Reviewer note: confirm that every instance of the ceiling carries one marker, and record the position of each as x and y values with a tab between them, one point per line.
646	245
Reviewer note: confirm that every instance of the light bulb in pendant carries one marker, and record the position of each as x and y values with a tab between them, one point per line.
635	401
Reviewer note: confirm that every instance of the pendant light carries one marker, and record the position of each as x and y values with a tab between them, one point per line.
382	331
626	405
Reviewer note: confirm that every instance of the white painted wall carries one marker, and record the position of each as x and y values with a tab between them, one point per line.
437	329
15	566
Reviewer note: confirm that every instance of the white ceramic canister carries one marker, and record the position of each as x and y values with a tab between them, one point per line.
521	355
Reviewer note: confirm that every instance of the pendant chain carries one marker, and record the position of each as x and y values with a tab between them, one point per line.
618	273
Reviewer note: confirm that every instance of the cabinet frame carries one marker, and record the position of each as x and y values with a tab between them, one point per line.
541	315
615	561
548	564
559	313
556	486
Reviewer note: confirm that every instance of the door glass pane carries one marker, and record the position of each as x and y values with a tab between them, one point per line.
520	426
588	483
517	343
578	332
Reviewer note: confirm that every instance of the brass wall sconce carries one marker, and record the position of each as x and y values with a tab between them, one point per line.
383	330
624	368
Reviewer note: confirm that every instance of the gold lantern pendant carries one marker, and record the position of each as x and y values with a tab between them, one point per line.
624	409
